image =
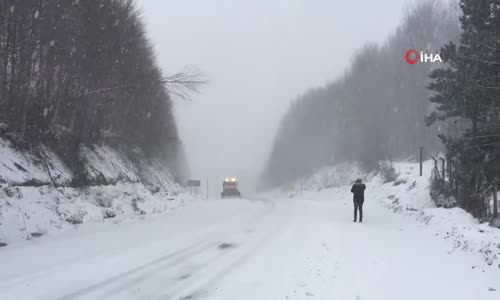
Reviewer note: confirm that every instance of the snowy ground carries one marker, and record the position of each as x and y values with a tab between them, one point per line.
409	196
304	246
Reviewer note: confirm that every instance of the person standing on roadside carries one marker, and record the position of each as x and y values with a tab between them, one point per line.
358	196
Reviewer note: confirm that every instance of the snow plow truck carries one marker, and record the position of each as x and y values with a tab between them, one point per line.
230	188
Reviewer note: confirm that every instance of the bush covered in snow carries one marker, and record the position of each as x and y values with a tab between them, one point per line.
440	192
496	223
387	171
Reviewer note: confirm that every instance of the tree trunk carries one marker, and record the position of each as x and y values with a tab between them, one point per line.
495	202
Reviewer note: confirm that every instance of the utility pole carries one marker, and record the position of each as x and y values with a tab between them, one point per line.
421	160
207	188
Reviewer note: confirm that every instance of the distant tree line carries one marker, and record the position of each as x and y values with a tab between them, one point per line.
375	111
466	92
379	108
75	72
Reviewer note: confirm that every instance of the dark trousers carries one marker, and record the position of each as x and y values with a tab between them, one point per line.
358	205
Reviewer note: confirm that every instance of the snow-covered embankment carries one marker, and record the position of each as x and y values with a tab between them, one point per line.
408	195
37	197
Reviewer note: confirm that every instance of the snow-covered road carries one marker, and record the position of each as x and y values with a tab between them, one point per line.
242	249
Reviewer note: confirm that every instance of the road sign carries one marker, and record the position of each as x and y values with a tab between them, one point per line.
194	183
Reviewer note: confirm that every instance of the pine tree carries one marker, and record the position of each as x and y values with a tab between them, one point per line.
467	94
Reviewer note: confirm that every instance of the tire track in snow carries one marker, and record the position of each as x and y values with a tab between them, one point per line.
207	279
169	260
118	283
180	277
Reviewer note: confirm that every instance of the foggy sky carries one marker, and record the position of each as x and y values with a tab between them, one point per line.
258	55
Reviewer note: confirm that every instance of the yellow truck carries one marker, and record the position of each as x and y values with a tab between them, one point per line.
230	188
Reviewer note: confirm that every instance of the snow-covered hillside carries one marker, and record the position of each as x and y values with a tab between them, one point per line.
407	195
36	197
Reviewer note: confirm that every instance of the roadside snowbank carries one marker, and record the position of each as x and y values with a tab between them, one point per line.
36	197
408	195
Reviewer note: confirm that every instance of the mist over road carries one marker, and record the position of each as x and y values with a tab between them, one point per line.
258	56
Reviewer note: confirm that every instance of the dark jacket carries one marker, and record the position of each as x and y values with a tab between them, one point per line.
358	191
